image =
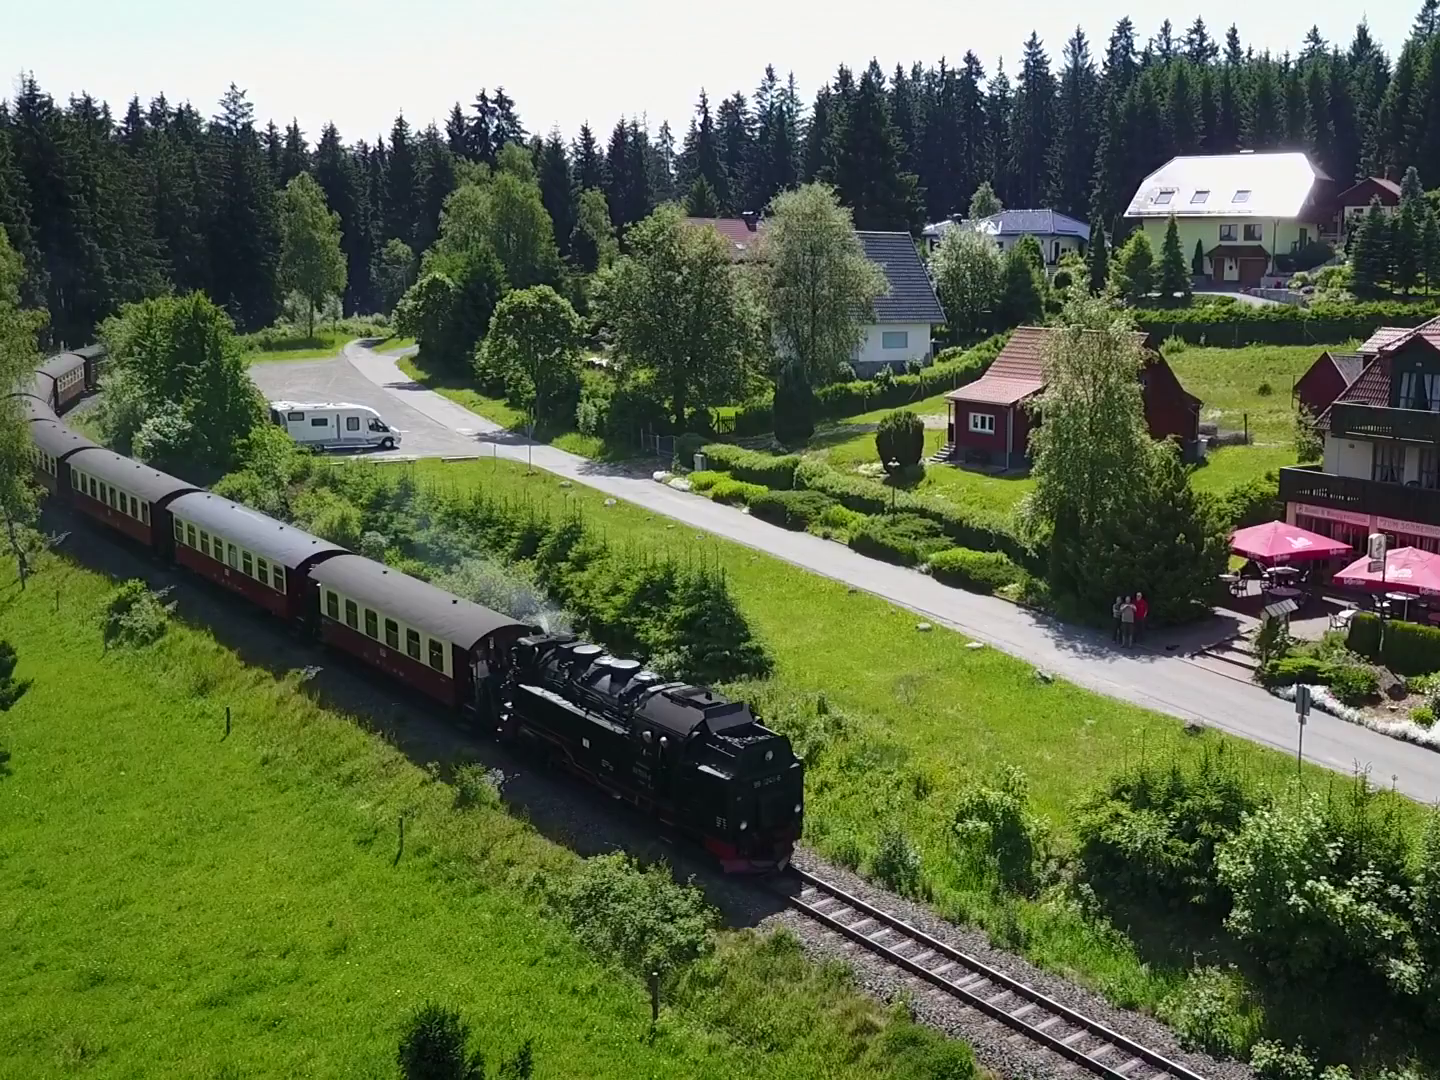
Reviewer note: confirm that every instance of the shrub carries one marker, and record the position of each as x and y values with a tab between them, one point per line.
1363	638
1409	648
1264	389
769	470
736	491
896	864
136	616
1206	1013
705	479
1289	670
11	688
907	539
1353	684
996	828
900	440
978	571
476	785
1273	1060
1282	324
1253	502
790	509
1423	716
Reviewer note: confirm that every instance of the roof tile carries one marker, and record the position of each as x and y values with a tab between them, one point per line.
1017	372
911	298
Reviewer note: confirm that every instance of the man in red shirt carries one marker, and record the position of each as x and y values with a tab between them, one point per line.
1142	612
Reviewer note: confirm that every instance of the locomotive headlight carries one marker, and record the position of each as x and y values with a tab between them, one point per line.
744	825
798	808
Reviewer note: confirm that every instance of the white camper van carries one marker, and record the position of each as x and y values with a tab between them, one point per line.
334	426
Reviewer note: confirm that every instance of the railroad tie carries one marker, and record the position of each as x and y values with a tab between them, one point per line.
1126	1066
1075	1036
1047	1024
1024	1010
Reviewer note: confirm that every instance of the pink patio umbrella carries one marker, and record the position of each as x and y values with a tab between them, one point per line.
1407	569
1277	542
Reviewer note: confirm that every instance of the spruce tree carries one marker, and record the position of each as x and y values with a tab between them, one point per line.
983	202
868	175
998	106
1408	234
401	196
1197	261
736	151
294	155
557	189
1022	291
588	163
1073	153
1097	258
457	132
970	152
701	200
434	181
1032	127
1430	249
1174	280
1370	253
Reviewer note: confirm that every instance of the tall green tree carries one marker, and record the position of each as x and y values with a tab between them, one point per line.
968	269
680	313
701	200
243	219
533	345
1174	277
1033	127
311	262
557	190
1370	253
18	358
868	171
1407	249
819	289
1073	148
394	273
983	203
1097	256
1132	271
593	241
1022	290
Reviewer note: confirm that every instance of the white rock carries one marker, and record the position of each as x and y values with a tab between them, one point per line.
565	483
679	483
611	502
923	627
974	645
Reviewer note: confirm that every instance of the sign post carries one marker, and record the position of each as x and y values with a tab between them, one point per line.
1302	710
1377	548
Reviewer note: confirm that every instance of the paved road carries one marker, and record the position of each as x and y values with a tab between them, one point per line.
1166	683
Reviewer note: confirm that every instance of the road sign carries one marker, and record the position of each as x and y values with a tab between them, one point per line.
1375	566
1302	702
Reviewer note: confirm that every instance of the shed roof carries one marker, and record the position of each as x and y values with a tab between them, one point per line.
251	529
152	485
1382	337
1018	371
57	440
911	298
418	603
1276	186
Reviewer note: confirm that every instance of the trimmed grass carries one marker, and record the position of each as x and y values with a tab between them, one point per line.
324	343
175	903
896	725
393	344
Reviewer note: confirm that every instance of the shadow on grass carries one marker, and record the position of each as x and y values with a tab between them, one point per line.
560	807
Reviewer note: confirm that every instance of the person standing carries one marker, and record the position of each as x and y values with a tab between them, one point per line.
1142	612
1127	623
1115	613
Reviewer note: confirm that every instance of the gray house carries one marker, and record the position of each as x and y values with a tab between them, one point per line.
908	312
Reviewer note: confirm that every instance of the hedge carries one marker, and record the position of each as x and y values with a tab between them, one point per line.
768	470
736	491
978	571
1280	324
1409	648
1364	636
906	539
1296	669
790	509
952	368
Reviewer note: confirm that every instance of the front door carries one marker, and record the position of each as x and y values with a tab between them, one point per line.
351	428
1231	269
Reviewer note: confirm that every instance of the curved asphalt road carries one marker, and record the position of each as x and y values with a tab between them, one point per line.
436	426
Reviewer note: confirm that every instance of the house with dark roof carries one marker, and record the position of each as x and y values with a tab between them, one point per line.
1057	233
1350	205
991	418
1326	379
908	312
1381	465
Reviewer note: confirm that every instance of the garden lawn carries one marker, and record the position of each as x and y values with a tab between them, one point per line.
1231	383
175	903
895	724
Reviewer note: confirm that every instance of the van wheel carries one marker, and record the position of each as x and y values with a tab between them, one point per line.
387	444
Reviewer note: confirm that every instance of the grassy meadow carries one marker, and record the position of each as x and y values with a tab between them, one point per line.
176	902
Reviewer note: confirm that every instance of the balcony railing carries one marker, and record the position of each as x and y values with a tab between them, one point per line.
1311	486
1379	422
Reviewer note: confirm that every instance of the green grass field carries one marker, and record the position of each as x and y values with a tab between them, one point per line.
175	903
393	344
324	343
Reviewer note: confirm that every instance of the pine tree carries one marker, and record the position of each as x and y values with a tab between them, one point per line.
1097	258
700	155
505	128
1264	123
1174	280
557	189
434	181
1430	249
1073	154
662	165
971	150
734	139
818	161
998	106
1197	261
701	200
294	155
457	132
1199	48
401	199
868	176
1370	253
481	132
273	145
1408	238
589	164
1182	114
340	178
1225	137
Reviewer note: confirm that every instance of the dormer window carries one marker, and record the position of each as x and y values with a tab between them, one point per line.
1241	196
1164	196
1199	198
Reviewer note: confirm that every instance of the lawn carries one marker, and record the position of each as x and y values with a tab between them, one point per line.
896	725
176	901
324	343
393	344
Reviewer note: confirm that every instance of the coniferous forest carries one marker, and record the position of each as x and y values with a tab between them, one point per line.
108	207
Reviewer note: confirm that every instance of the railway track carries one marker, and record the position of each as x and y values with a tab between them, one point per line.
1087	1043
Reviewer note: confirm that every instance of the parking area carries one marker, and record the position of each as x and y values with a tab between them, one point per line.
336	380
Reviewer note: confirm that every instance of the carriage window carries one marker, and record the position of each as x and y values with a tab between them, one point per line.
437	655
76	480
332	604
145	512
94	489
179	531
352	423
372	625
204	541
190	535
294	416
352	615
392	634
234	556
262	571
277	578
412	643
246	564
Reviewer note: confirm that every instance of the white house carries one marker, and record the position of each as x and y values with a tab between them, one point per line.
905	315
1056	233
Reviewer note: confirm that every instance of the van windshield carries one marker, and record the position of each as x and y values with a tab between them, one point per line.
378	425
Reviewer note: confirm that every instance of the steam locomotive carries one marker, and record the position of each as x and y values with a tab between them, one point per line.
704	766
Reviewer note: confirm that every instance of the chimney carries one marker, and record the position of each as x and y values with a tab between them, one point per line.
749	216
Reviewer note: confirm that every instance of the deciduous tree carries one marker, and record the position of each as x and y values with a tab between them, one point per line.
311	261
1022	289
18	358
968	269
984	203
534	346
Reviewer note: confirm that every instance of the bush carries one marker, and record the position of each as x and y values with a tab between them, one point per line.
896	864
1206	1013
906	539
1282	324
136	616
952	368
790	509
1409	648
1273	1060
435	1046
978	571
11	688
736	491
476	785
1289	670
768	470
1423	716
686	447
1363	638
900	440
705	479
996	828
1252	502
1353	684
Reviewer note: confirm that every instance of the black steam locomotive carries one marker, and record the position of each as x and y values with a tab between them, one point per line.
702	764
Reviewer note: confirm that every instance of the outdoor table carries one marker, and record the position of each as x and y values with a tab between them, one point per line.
1400	598
1283	571
1284	592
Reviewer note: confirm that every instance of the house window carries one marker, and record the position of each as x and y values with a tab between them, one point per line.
1427	473
1254	233
1241	196
1389	465
1163	196
352	423
392	633
372	624
1199	198
982	423
895	339
352	615
1228	232
1420	390
412	643
332	604
437	655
